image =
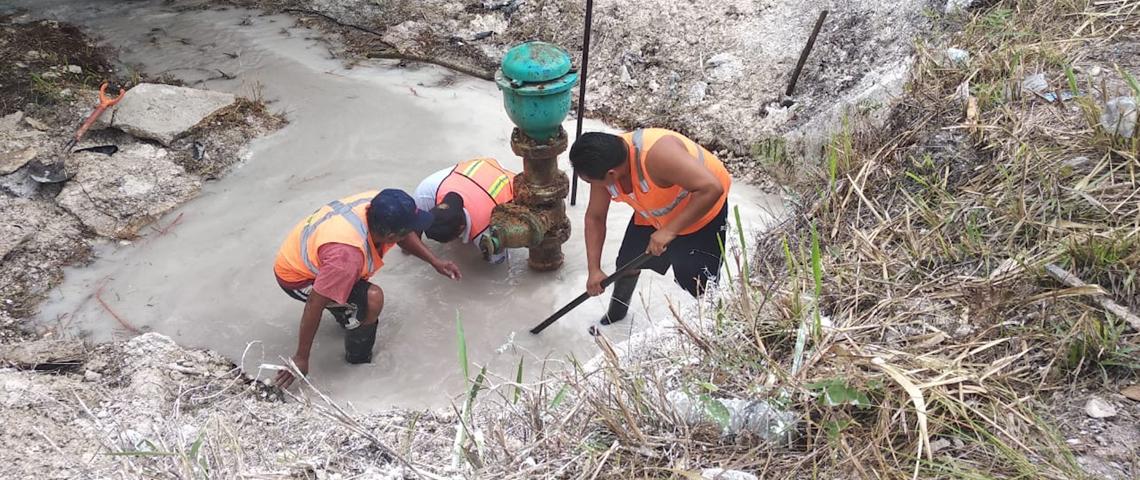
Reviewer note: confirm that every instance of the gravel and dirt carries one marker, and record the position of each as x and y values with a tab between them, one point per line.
907	314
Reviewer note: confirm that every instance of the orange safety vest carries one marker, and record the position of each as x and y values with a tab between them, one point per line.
482	183
657	206
341	221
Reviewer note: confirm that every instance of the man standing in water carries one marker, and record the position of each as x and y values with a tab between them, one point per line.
328	258
679	193
461	199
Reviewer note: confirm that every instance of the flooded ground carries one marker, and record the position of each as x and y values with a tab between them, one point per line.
207	281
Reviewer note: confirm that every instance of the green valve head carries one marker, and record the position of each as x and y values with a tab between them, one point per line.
534	62
536	79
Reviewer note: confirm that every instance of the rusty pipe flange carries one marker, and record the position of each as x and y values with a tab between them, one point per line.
516	226
541	195
546	257
527	147
558	226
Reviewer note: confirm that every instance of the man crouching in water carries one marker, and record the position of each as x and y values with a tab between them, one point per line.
328	258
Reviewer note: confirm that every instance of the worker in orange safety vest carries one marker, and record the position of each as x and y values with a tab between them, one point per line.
679	194
328	258
461	199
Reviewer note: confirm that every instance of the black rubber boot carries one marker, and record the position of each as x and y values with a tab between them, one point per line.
358	343
620	300
341	314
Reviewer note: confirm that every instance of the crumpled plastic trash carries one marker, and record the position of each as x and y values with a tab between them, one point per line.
1119	116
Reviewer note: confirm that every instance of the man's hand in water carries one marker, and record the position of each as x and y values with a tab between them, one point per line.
285	378
448	269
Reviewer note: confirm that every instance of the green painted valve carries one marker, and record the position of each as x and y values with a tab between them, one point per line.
536	79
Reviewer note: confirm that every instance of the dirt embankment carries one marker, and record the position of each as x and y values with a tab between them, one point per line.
710	69
55	199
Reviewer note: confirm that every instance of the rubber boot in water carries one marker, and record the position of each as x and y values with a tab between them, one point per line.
358	343
619	302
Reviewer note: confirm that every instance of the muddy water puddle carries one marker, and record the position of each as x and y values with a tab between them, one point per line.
207	281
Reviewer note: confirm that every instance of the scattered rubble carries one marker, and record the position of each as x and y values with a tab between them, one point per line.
112	195
150	407
44	238
163	112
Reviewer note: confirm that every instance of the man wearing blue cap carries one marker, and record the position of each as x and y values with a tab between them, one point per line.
328	258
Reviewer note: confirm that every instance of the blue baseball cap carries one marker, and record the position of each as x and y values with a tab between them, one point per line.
395	211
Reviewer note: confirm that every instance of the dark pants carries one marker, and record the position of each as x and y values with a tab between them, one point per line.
695	258
359	339
357	302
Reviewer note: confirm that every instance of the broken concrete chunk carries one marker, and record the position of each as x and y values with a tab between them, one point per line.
163	112
1119	116
119	195
13	160
43	354
36	124
15	227
10	121
1098	408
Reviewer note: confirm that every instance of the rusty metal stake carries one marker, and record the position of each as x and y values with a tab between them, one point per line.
787	101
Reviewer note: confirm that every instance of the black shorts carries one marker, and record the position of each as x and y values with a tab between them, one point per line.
695	258
357	301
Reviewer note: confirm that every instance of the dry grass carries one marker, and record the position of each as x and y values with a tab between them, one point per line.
913	278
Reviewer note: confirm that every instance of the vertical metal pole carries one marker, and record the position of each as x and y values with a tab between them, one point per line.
582	91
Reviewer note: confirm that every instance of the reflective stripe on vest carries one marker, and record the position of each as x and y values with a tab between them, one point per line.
345	211
644	184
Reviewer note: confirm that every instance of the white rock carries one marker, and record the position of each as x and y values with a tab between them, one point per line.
1119	116
722	474
697	92
626	78
1098	408
49	75
953	6
36	124
76	69
725	66
957	56
1077	161
11	121
164	112
490	23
